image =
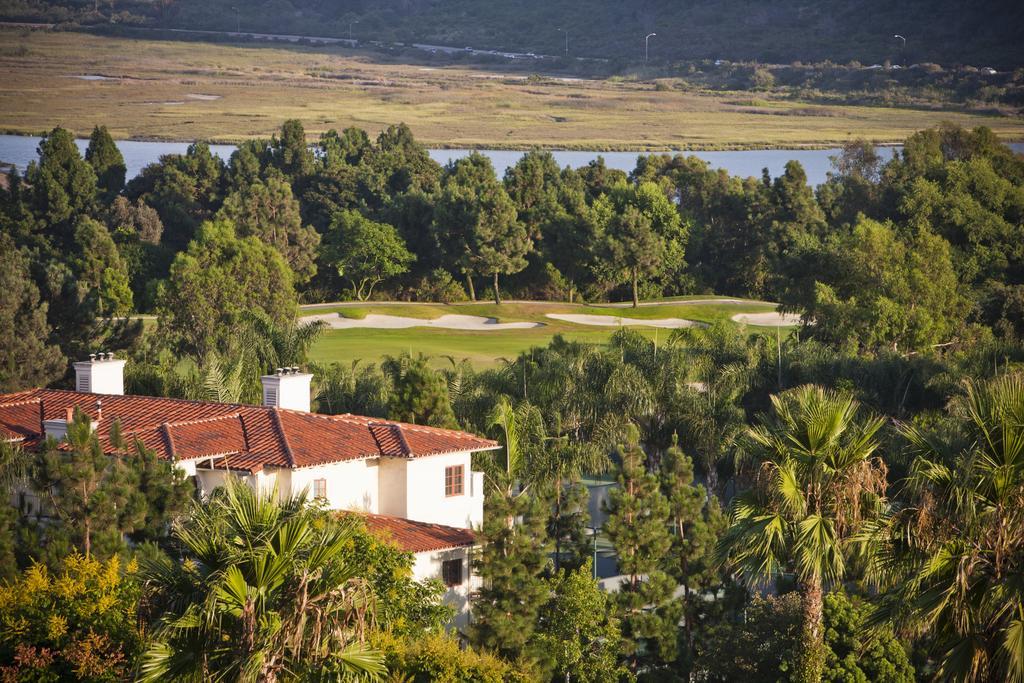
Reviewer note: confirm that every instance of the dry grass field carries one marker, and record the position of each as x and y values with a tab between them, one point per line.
188	90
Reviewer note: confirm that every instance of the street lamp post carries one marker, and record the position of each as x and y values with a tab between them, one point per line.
647	45
566	41
238	20
903	47
350	30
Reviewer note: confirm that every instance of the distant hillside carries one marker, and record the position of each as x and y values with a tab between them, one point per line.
773	31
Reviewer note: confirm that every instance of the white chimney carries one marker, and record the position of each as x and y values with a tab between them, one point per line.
101	374
287	388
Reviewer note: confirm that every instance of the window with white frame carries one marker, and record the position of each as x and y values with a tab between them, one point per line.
320	488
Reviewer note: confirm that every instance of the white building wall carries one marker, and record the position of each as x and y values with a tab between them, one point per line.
208	480
186	466
427	566
351	485
392	487
270	479
425	492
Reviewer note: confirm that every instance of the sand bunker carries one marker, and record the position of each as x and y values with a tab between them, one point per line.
616	321
771	319
397	322
200	96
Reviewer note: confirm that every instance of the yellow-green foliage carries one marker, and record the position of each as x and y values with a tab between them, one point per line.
439	658
79	624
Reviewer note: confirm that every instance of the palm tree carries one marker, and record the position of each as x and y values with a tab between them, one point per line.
522	433
817	482
954	556
277	345
264	593
721	365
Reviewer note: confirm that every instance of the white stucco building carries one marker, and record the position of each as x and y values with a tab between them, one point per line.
413	485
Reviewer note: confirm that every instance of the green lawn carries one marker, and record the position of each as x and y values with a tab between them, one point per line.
487	348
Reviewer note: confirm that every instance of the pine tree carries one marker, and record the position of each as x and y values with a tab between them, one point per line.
94	502
476	225
62	187
420	394
26	359
268	210
638	527
88	492
511	566
567	525
696	521
290	153
106	160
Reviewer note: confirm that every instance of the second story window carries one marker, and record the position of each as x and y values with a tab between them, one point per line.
320	488
453	481
451	572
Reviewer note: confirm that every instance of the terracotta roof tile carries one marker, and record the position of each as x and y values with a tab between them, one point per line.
22	420
389	439
252	437
416	537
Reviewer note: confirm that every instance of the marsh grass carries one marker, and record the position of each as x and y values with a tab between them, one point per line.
447	106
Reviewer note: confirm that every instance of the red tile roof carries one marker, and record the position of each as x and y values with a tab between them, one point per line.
248	438
416	537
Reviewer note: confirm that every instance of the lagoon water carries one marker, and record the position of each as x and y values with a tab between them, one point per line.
20	150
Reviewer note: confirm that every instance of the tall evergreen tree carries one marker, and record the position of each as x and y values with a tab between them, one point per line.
638	528
515	547
27	358
106	160
62	186
290	152
475	223
88	492
643	235
697	522
419	393
267	209
511	565
216	281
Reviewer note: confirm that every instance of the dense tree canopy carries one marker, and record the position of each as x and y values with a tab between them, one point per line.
220	277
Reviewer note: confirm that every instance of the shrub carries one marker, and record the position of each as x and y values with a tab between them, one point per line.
440	658
77	625
439	286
